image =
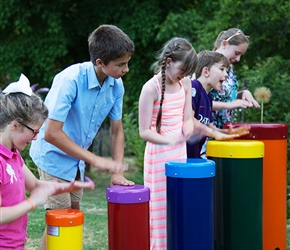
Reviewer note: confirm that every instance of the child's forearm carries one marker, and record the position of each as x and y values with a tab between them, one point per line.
11	213
154	137
202	129
220	105
188	127
238	103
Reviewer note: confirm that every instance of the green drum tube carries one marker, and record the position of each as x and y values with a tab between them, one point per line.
274	136
238	193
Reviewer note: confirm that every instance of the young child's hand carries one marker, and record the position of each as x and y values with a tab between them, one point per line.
194	138
247	96
188	131
222	136
72	186
239	103
45	189
175	141
241	130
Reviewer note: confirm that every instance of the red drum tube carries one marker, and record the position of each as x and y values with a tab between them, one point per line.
128	217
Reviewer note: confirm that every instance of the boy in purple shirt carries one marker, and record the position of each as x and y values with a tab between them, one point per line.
210	74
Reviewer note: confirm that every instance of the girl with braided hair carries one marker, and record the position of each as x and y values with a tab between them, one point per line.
165	122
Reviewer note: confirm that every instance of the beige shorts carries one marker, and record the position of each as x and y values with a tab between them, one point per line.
61	200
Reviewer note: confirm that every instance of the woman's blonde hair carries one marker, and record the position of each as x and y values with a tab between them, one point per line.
233	36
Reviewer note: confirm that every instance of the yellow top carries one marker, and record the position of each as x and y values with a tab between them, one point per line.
235	149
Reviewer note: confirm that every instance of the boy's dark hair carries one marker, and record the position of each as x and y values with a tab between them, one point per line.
207	58
108	43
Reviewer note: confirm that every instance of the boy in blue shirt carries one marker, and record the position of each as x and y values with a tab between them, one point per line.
80	98
210	74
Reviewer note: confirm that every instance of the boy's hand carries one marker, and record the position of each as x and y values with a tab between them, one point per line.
222	137
120	167
119	179
243	130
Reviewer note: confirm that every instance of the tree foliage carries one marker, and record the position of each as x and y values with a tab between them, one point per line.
40	38
266	74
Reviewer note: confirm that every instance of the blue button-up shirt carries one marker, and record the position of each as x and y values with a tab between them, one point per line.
76	99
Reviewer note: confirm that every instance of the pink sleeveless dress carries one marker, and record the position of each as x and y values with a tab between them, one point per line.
155	157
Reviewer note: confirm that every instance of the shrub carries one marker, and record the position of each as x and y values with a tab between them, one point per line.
133	143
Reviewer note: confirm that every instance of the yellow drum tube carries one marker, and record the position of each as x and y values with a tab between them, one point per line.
64	229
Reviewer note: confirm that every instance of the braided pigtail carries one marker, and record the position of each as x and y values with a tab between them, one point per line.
159	116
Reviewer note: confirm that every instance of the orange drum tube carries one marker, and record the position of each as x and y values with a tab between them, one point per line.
274	136
64	229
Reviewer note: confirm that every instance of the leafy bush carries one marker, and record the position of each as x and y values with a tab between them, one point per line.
265	74
133	143
28	161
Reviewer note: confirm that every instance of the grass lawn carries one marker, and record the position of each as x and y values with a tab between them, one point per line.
94	206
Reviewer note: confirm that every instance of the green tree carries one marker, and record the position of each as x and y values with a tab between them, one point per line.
41	38
32	40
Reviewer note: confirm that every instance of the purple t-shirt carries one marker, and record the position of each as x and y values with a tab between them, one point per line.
202	106
12	190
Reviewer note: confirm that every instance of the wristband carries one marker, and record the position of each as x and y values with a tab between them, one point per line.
31	203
